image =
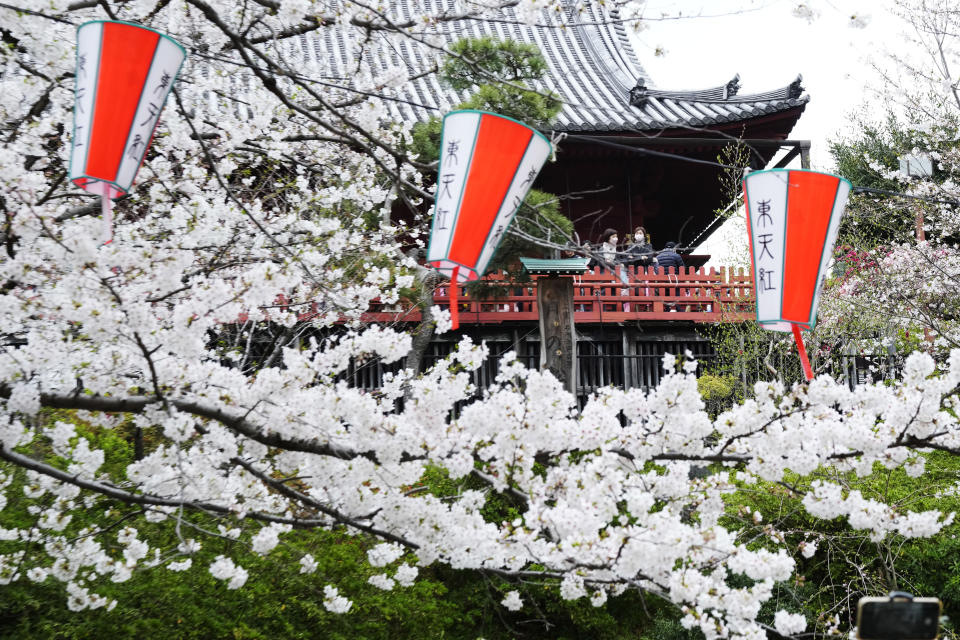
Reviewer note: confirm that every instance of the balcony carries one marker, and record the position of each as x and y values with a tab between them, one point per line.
700	295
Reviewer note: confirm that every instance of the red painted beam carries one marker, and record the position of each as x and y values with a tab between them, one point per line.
698	295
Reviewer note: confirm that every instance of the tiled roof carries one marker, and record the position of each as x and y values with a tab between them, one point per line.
592	68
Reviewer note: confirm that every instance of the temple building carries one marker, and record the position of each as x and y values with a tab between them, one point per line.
617	121
637	155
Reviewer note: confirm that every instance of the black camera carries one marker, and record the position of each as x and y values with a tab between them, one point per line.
899	617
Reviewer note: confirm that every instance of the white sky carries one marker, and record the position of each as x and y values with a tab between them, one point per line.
763	42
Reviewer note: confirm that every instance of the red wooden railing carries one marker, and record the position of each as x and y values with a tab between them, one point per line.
700	295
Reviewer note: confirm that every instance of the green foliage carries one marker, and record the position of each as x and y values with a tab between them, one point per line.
717	391
713	387
280	602
277	602
743	351
847	563
667	627
492	61
530	107
875	148
868	221
496	72
539	217
425	139
874	144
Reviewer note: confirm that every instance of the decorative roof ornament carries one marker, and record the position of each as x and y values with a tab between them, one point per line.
717	97
639	93
793	217
732	87
488	163
555	267
124	73
795	89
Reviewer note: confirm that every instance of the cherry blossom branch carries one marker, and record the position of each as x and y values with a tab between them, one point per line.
270	83
283	489
236	423
127	497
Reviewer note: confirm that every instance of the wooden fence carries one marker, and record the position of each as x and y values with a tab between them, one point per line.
631	293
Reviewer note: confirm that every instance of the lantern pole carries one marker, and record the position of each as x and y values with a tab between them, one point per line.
802	350
455	299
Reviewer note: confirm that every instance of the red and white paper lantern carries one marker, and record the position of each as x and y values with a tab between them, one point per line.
124	73
488	163
793	217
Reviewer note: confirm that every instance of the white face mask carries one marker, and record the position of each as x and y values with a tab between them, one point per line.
612	240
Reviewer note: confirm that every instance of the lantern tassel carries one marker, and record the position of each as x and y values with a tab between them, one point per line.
807	369
454	300
106	209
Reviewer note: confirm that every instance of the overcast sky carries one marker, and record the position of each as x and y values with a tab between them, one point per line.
763	42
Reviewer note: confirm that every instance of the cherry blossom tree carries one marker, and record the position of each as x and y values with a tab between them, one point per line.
898	275
263	211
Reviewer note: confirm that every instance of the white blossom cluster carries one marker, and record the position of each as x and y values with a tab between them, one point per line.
903	289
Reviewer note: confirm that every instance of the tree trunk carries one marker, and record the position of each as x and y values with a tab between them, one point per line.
424	333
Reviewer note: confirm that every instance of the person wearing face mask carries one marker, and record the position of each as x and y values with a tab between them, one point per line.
608	246
640	255
640	252
607	255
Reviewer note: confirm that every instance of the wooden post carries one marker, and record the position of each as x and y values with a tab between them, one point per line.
558	344
743	368
627	360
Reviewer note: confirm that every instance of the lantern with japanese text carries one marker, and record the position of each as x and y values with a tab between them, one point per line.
488	163
793	217
124	73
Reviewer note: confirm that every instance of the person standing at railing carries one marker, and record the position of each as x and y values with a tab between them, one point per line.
607	256
605	252
640	251
667	260
640	255
668	256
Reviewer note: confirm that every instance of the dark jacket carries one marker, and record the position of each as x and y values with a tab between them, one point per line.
639	253
669	258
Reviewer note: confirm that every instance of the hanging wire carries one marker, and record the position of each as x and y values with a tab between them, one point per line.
898	194
665	154
722	215
651	152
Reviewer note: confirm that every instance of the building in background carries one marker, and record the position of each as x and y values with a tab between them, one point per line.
634	154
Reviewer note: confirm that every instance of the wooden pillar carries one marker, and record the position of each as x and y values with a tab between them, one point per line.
558	344
627	360
805	156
